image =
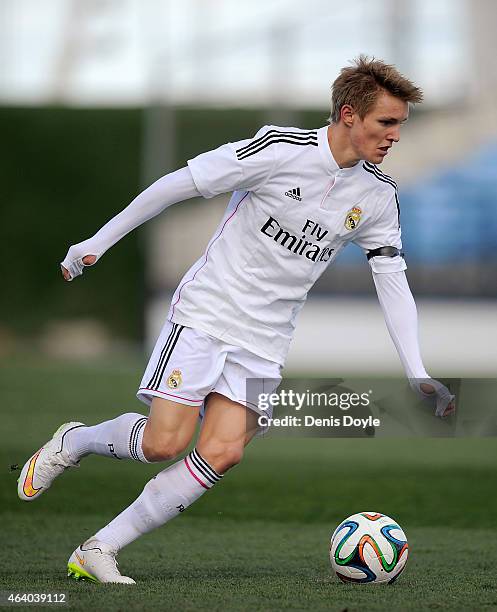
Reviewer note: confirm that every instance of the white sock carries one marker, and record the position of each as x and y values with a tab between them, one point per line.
163	498
120	438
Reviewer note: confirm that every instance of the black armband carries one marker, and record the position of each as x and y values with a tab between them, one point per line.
386	251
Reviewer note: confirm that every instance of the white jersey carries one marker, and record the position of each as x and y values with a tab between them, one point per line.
292	211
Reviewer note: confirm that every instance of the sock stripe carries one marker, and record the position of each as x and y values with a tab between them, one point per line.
139	429
133	438
130	443
205	465
201	470
194	475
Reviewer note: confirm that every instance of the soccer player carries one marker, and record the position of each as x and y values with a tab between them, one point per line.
299	197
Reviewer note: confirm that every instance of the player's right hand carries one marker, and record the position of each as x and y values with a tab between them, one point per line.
434	390
76	260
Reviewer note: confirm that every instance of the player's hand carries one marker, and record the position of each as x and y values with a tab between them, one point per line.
75	261
445	401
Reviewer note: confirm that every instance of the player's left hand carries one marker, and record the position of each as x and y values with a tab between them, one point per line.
78	257
430	388
88	260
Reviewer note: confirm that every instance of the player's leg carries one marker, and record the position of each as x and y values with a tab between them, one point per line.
168	494
228	425
125	436
168	431
162	436
122	437
184	369
227	428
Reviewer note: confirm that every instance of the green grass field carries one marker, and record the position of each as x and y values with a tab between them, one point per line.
260	540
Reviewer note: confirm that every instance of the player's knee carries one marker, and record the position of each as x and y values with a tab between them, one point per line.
163	448
222	456
231	457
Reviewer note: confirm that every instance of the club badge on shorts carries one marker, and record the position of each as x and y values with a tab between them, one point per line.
174	379
353	217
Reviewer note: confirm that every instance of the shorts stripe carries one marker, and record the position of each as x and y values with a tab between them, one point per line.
165	355
164	349
170	352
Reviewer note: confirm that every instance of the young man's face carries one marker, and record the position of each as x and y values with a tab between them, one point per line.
372	137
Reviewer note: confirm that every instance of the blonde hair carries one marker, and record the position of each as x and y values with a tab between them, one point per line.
361	84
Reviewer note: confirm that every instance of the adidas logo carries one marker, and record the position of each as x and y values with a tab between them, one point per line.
294	193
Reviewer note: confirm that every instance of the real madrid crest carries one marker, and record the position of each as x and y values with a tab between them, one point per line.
174	379
353	217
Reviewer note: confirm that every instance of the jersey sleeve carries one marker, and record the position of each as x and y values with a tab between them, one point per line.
245	164
384	232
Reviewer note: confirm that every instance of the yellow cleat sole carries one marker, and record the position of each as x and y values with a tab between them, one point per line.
78	573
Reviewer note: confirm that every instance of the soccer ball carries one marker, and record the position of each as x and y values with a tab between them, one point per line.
368	547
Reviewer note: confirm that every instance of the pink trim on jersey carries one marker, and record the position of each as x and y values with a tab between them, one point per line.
207	253
326	194
171	395
196	477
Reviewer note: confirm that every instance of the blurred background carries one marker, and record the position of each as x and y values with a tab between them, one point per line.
98	98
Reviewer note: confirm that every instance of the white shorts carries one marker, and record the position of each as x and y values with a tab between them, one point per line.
187	364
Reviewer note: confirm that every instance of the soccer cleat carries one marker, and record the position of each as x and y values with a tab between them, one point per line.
95	561
45	465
